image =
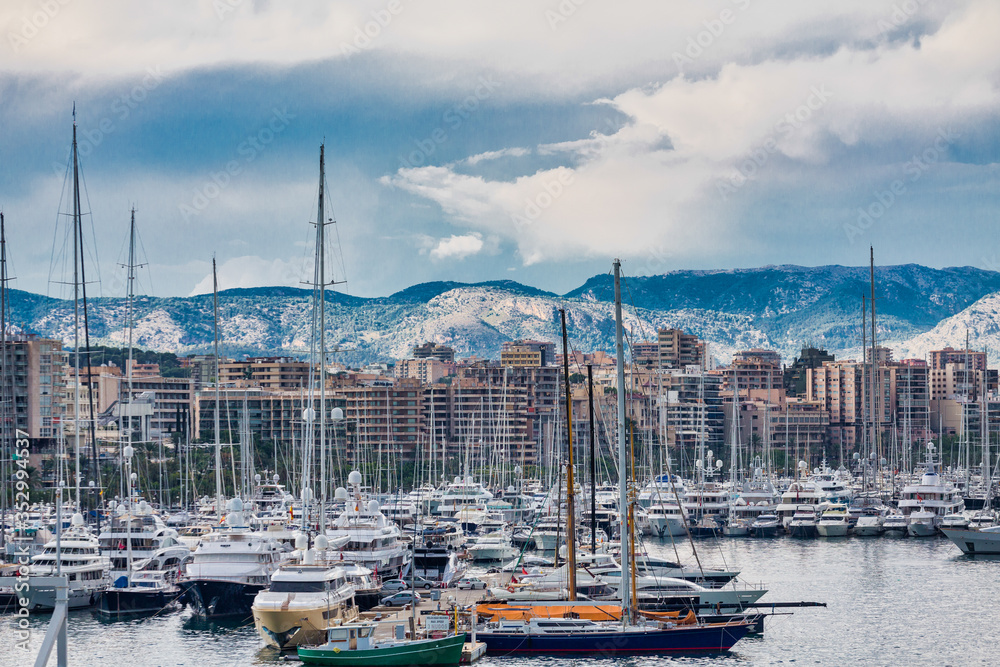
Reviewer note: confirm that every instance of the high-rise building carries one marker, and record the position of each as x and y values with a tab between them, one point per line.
680	350
431	350
527	353
968	359
35	395
795	375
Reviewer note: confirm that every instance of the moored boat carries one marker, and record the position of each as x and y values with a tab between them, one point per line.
355	644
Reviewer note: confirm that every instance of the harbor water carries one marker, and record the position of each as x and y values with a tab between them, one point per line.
889	602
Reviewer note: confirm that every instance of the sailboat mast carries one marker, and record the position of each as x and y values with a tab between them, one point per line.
129	314
218	395
4	373
570	491
593	460
321	285
622	451
77	226
876	385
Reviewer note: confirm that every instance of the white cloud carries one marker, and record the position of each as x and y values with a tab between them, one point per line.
495	155
457	247
666	183
253	271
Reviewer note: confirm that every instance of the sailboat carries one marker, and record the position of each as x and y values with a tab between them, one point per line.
151	591
532	635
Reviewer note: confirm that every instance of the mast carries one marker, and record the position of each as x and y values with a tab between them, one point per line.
622	451
4	374
864	396
76	313
218	397
570	491
876	386
321	287
593	460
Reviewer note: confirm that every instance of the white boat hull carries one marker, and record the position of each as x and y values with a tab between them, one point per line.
832	530
974	541
920	529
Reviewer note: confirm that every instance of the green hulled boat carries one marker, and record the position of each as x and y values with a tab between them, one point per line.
354	644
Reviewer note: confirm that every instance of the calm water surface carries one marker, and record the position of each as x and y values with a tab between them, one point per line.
890	602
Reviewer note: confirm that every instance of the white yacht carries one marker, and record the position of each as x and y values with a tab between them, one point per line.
229	567
798	493
894	525
79	559
493	547
803	522
833	522
926	504
303	600
374	540
463	493
870	522
667	519
707	499
142	528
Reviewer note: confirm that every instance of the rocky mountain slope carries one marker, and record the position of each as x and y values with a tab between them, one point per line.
779	307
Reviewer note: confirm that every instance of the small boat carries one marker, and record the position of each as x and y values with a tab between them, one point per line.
145	592
737	527
982	541
869	523
765	525
894	525
355	644
803	523
833	522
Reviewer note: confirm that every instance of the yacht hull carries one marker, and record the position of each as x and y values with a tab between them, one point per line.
220	599
826	530
135	602
675	640
974	541
805	531
289	629
920	529
43	598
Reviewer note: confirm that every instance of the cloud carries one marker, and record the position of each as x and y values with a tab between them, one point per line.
457	247
678	177
253	271
495	155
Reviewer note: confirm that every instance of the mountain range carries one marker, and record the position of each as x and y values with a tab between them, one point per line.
777	307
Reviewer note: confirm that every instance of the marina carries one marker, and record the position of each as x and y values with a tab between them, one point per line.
865	584
500	334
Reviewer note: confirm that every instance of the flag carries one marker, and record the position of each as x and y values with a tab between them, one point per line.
523	571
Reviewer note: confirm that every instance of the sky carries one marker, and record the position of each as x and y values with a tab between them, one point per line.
529	140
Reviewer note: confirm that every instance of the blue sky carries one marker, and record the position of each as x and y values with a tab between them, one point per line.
531	141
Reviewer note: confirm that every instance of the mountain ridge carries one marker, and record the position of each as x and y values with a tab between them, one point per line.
783	307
